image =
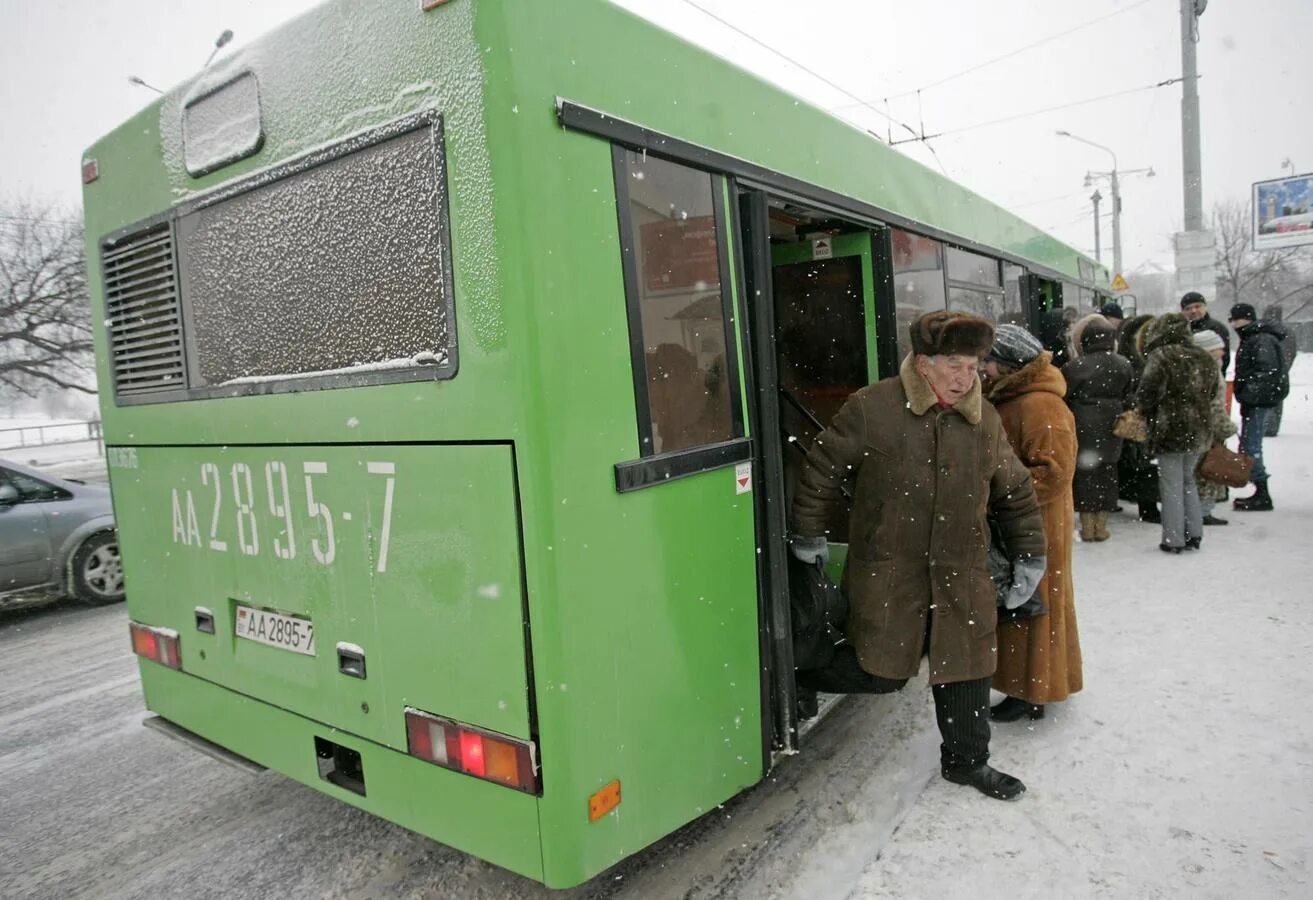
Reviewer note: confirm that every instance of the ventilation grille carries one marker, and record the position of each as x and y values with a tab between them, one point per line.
141	304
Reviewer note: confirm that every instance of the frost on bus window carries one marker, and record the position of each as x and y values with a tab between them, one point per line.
338	266
222	126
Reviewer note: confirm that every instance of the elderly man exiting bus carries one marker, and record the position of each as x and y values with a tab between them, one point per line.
930	461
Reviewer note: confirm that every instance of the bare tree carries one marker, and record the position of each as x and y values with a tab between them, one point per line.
45	317
1266	278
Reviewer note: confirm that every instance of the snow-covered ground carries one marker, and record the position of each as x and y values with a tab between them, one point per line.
1185	766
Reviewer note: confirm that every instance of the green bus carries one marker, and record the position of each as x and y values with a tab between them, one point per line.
454	357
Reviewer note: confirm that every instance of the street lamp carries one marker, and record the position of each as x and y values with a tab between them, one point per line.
133	79
219	43
1114	179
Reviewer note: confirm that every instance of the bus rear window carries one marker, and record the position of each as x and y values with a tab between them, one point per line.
339	267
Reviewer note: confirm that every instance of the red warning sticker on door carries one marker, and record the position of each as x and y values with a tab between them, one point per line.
743	478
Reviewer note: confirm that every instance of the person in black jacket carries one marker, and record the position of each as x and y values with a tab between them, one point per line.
1261	382
1289	347
1195	308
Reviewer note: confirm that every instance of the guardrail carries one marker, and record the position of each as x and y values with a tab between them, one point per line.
28	436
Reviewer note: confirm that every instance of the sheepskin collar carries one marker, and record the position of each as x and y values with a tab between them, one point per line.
921	396
1037	375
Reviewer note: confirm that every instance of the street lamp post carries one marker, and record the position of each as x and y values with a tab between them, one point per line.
1095	198
1114	180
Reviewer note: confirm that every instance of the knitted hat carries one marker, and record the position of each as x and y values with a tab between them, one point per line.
1014	345
1243	311
1192	297
1207	339
1111	311
947	333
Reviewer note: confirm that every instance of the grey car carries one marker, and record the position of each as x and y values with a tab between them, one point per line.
57	536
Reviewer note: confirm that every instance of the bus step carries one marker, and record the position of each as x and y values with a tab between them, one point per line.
196	742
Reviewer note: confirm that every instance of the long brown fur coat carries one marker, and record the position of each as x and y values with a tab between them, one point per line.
1039	659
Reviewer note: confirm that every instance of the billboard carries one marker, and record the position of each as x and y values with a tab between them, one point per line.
1283	212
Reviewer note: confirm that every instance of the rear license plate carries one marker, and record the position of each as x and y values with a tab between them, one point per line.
276	630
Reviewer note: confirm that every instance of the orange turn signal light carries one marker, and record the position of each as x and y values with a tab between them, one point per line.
605	800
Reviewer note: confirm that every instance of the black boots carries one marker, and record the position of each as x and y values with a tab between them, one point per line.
1211	519
1259	501
986	779
1014	708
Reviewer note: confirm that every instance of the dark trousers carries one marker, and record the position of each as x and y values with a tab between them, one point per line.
961	707
1253	425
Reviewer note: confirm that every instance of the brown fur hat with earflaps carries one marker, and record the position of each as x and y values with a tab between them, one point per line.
946	333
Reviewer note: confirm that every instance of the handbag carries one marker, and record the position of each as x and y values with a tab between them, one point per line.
1225	466
1132	426
818	609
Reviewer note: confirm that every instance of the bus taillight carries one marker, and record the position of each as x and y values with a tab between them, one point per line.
158	644
463	748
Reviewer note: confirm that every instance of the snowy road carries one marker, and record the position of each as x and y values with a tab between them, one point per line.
1184	769
97	806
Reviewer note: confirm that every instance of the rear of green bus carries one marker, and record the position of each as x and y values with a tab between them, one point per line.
313	465
355	487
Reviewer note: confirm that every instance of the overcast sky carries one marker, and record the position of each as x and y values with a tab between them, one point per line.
64	82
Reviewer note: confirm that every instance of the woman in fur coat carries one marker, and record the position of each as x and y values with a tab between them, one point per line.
1098	390
1176	395
1039	659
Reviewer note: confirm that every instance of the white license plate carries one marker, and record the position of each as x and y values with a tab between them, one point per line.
276	630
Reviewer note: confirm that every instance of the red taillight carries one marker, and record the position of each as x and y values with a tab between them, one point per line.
158	644
463	748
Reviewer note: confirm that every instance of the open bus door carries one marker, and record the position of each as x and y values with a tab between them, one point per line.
812	316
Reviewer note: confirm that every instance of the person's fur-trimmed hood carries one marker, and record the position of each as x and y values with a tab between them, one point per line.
1092	334
1171	328
1037	375
921	396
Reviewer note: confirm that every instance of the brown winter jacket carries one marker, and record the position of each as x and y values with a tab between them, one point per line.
1039	659
925	478
1176	388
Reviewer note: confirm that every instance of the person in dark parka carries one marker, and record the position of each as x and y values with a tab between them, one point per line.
1289	349
1137	476
1261	382
1098	390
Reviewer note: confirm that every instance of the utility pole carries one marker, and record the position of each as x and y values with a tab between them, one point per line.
1191	168
1095	198
1116	221
1195	246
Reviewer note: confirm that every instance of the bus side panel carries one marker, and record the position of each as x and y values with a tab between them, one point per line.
490	821
643	604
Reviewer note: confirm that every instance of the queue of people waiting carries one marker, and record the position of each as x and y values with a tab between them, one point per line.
963	512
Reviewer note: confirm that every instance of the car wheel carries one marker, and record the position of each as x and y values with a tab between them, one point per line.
98	570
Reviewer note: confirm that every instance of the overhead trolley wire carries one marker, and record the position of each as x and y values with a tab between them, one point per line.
1037	112
819	77
1011	53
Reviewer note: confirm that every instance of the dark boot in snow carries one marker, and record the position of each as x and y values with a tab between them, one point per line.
1014	708
1259	501
809	706
986	779
1214	520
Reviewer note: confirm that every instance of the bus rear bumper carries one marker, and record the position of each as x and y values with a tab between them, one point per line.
486	820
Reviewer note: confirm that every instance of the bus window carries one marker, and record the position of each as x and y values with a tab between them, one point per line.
918	264
677	305
1014	304
975	284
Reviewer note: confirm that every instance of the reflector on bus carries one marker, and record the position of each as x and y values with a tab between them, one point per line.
158	644
473	751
